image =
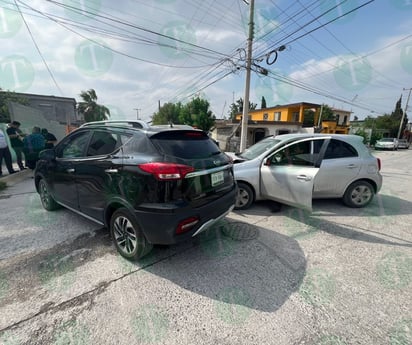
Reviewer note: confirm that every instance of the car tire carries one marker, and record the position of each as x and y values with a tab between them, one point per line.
45	197
244	196
128	238
358	194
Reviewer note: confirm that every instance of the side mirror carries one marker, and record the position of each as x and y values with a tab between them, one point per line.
48	154
267	162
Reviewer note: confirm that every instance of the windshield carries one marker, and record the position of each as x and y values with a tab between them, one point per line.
387	139
258	148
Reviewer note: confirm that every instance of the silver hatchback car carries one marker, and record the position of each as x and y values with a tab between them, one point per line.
295	168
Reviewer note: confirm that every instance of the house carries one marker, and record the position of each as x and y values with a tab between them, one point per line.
57	114
280	119
341	124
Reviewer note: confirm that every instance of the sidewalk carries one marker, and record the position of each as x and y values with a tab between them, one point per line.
17	177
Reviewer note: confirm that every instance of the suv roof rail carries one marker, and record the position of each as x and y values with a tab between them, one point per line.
129	123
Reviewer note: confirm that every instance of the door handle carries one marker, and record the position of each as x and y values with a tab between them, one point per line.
351	166
70	171
304	178
111	171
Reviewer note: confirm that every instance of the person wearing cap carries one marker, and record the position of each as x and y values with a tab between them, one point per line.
49	137
16	141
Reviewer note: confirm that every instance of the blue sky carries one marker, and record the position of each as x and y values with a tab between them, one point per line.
136	54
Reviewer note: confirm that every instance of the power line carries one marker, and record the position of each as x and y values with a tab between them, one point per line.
38	49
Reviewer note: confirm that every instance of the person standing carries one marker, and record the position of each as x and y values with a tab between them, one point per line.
5	153
16	141
33	144
49	137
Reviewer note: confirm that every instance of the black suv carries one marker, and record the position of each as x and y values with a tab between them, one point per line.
147	184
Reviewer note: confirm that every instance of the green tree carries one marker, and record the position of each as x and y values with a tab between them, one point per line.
237	108
5	98
197	113
168	113
263	103
327	113
387	123
90	109
308	118
396	116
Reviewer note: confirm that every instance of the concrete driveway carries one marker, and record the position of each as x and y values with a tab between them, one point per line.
335	276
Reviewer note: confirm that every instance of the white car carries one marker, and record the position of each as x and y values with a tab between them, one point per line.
387	144
294	168
403	144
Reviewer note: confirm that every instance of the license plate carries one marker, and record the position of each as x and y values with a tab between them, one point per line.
217	178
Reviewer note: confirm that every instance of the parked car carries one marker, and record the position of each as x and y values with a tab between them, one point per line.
151	185
294	168
403	144
387	144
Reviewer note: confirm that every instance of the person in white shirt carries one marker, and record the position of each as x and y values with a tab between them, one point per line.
5	153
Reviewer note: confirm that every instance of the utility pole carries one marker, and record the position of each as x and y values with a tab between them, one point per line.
245	114
137	112
404	112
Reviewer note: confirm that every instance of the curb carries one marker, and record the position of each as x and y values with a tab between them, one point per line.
11	180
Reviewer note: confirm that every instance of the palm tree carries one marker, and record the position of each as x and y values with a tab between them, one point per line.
90	109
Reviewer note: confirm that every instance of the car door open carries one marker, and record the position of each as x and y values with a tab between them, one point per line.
287	175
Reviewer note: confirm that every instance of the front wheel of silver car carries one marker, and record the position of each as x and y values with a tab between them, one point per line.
358	194
46	199
244	196
128	238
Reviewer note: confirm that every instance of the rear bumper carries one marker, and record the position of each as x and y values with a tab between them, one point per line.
159	224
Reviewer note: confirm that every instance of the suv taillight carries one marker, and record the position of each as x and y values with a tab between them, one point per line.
379	164
166	171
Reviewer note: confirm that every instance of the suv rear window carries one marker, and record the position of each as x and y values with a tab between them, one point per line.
185	144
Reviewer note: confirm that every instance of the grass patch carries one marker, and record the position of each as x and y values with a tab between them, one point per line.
3	185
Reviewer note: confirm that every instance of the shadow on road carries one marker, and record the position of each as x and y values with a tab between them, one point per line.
236	264
324	218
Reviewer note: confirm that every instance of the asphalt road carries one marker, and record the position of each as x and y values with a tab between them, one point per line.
336	276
